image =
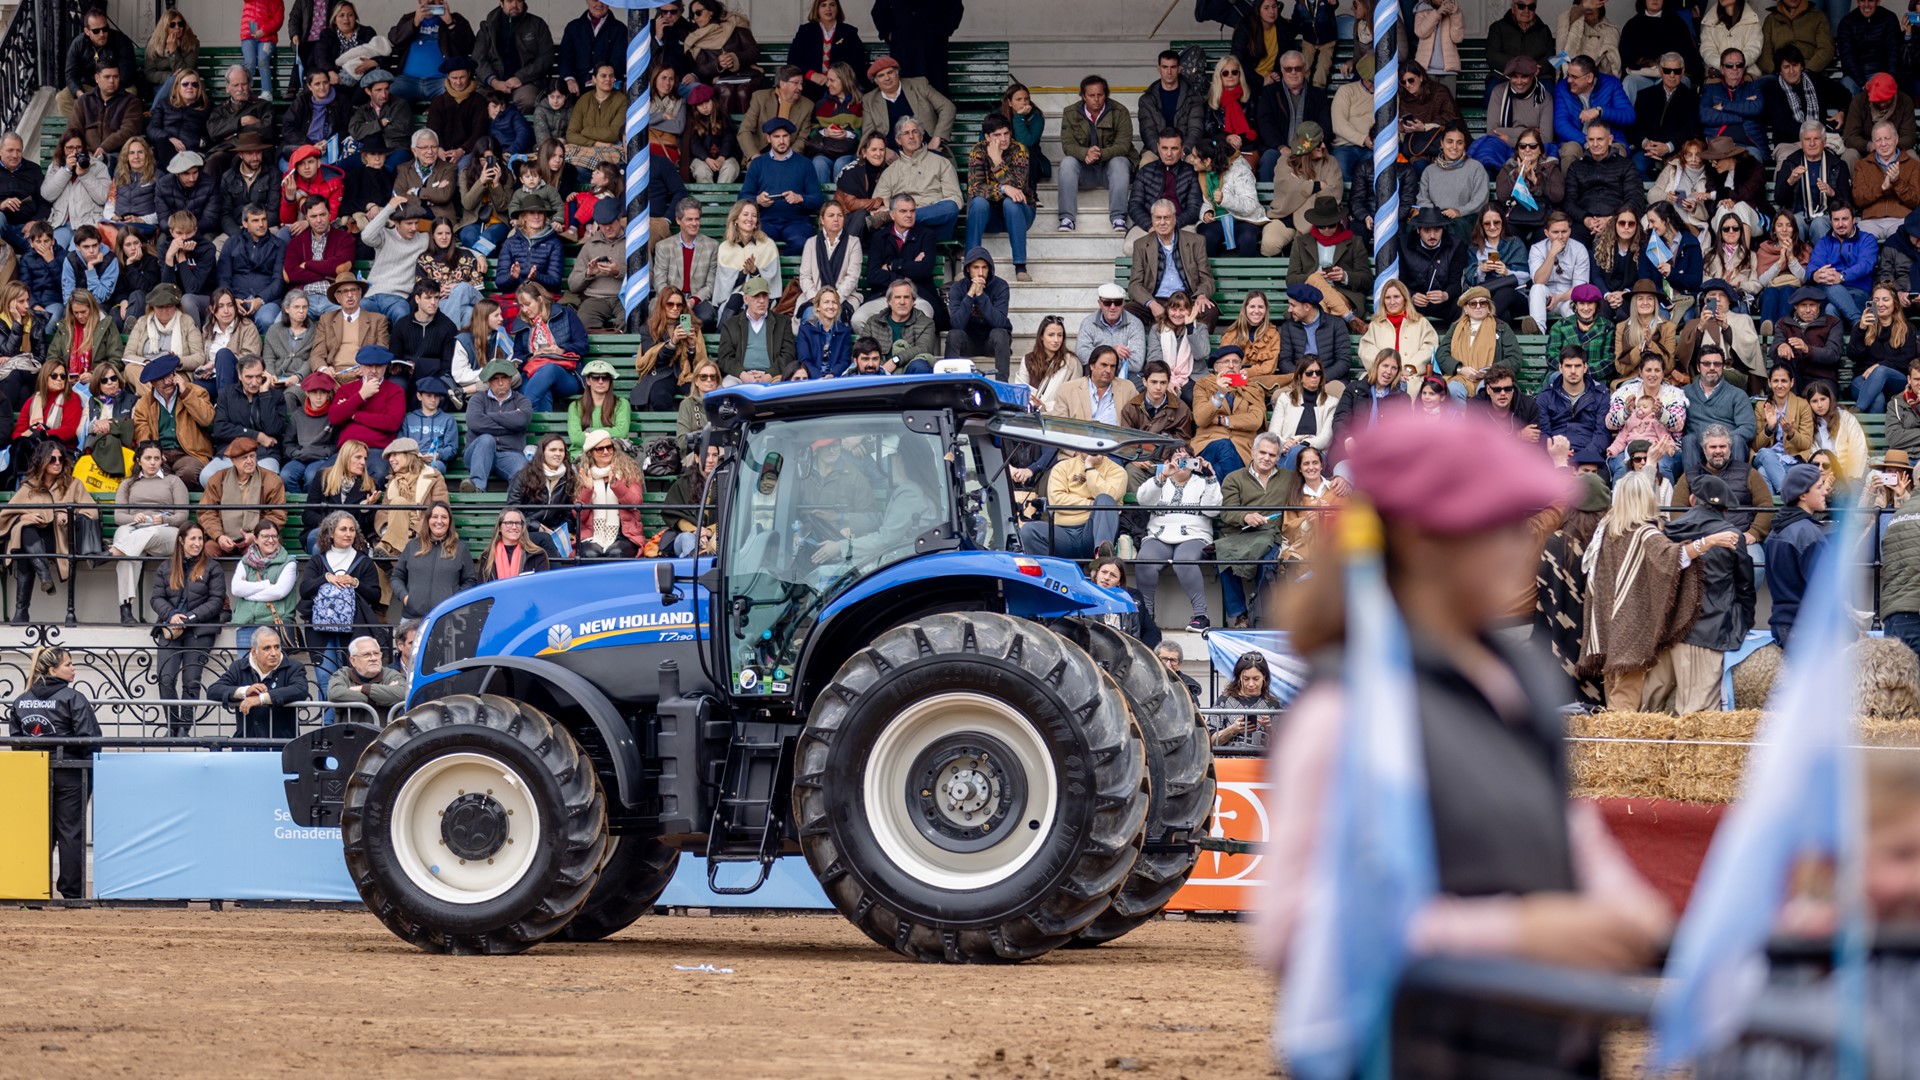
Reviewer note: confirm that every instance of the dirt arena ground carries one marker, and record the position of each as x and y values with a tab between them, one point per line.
165	992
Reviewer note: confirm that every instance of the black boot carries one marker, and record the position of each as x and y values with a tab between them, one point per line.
126	614
43	571
22	592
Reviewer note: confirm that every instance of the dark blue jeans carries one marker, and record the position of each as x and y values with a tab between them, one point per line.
1905	625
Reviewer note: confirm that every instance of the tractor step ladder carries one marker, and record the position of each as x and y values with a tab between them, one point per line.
749	822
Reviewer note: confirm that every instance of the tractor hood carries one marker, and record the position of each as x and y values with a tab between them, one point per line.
966	395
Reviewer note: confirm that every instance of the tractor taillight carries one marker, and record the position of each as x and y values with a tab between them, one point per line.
1029	567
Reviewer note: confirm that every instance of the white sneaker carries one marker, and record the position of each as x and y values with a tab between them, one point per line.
1066	223
1123	547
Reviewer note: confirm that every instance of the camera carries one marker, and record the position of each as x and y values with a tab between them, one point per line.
81	160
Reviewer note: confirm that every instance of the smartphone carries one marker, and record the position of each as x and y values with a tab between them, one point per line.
686	321
1914	17
436	9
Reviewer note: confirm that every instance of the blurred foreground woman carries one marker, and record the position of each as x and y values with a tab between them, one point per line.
1521	871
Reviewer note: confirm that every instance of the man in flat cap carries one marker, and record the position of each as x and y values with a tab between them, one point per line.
784	186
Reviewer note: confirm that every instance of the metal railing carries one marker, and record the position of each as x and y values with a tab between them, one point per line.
124	720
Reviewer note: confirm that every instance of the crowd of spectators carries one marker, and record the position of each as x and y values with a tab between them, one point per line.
1704	222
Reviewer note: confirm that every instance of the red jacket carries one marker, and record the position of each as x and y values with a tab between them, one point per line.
302	269
374	421
631	525
266	17
67	430
330	182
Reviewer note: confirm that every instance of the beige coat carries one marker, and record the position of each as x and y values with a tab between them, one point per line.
396	527
1076	398
764	106
1353	115
1066	488
327	334
33	506
1292	195
1600	41
144	342
926	176
929	106
1419	342
1450	30
1210	424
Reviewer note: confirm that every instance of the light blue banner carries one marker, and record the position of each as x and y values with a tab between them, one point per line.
206	827
790	885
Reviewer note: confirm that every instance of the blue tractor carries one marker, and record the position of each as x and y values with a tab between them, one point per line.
977	765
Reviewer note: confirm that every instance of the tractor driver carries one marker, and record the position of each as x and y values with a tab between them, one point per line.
831	504
910	511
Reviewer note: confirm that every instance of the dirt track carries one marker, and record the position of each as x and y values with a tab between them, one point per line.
158	993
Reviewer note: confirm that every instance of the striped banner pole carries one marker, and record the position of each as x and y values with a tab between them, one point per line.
1386	144
633	292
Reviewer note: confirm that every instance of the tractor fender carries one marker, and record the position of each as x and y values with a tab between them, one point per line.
1035	588
614	732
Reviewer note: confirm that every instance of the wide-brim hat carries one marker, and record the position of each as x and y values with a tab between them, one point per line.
523	201
1710	490
343	279
1325	211
164	294
1430	217
500	367
1895	459
1646	287
250	142
1721	147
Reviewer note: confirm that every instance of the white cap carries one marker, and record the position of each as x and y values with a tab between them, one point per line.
1110	291
954	365
184	160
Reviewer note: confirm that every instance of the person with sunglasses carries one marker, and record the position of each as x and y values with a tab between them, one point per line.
53	413
1520	106
1666	115
100	44
1518	32
1732	106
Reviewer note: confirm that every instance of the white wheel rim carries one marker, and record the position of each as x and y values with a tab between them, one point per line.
891	768
422	851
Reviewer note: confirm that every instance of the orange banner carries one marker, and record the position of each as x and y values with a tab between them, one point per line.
1223	882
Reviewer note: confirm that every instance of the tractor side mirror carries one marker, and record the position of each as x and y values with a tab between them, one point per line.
663	579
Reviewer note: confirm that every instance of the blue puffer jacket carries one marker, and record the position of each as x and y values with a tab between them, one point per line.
539	260
569	333
42	277
171	196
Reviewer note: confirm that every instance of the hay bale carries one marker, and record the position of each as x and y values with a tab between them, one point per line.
1710	774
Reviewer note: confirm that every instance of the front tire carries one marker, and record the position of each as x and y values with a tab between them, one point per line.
474	825
970	788
1180	763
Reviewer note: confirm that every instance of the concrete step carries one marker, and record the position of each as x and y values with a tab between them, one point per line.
1091	244
1047	270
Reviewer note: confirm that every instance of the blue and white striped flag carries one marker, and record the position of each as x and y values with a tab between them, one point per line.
1800	796
1373	864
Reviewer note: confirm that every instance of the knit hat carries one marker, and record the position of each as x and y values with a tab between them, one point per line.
1800	480
1881	88
1408	466
1591	494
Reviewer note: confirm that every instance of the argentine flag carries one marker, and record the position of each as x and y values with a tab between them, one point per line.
1373	864
1800	796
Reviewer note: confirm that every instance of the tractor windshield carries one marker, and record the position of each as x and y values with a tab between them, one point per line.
819	504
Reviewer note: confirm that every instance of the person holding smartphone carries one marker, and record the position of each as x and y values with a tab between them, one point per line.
421	39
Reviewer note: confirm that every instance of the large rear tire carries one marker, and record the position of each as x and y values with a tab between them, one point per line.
638	870
970	789
473	825
1180	765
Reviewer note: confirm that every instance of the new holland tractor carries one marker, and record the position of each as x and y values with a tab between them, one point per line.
976	764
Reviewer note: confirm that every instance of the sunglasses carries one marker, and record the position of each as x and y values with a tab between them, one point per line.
1478	303
1111	303
1295	68
1507	389
706	378
1525	7
1731	64
1673	71
97	31
1730	229
1529	146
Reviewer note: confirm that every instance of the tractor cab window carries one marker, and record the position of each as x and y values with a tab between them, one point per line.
819	504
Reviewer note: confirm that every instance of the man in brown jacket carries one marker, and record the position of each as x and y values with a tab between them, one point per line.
430	178
1160	412
1227	412
247	486
176	413
1169	260
339	335
784	100
108	116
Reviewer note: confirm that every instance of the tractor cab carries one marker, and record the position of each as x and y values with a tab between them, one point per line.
821	492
